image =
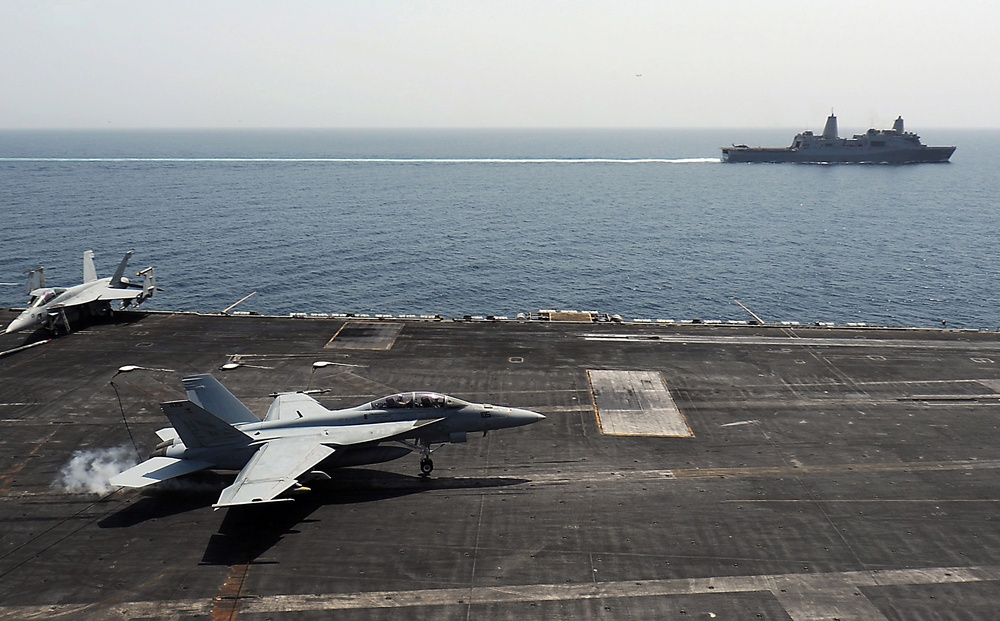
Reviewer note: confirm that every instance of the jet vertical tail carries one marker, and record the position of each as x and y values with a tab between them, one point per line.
89	271
206	392
198	428
116	279
36	279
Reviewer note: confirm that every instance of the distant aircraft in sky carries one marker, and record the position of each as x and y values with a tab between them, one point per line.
299	439
51	308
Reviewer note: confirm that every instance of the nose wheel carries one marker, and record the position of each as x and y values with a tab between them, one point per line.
426	466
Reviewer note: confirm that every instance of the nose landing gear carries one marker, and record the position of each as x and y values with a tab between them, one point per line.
426	463
425	449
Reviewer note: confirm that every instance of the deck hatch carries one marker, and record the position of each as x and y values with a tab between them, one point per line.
636	403
365	335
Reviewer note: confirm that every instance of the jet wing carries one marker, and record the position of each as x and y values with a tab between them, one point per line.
272	470
157	469
277	464
118	294
96	294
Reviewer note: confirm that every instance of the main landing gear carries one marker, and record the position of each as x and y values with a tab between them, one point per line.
426	466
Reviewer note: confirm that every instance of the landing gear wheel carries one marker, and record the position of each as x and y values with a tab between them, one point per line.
426	466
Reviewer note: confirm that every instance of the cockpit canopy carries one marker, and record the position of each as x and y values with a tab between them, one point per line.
417	400
44	296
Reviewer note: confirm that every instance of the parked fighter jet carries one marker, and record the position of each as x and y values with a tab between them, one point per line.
51	308
300	440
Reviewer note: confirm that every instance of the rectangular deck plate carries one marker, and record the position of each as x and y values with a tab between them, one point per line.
365	335
636	403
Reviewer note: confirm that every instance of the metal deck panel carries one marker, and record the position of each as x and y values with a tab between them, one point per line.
843	481
636	403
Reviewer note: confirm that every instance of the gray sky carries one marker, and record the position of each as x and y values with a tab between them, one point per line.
509	63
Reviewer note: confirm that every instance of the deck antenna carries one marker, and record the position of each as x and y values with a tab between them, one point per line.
759	320
226	310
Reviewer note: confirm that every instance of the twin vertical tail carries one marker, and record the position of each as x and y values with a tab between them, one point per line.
209	415
89	271
199	428
117	282
36	279
207	392
148	285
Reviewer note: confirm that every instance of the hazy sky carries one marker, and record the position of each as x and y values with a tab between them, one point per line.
509	63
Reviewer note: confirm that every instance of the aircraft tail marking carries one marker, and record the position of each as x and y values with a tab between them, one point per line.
198	428
206	392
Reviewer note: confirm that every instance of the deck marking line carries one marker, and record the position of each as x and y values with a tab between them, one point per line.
803	595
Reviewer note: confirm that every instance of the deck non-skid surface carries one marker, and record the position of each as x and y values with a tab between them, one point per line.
830	474
636	403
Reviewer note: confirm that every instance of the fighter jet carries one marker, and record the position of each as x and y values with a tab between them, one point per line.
299	440
52	307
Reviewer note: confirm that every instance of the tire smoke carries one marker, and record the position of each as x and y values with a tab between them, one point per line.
89	471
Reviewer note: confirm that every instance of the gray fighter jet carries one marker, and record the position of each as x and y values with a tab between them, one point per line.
52	307
299	439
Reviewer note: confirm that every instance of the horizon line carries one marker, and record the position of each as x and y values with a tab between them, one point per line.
445	128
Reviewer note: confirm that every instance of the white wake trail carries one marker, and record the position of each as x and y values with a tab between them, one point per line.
372	160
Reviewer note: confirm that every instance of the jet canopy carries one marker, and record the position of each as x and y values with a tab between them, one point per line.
42	297
417	400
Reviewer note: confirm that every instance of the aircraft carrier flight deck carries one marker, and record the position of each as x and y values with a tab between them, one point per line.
682	472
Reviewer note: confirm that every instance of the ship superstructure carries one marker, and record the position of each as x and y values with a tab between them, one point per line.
881	146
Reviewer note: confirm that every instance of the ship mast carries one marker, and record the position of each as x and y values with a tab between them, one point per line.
830	131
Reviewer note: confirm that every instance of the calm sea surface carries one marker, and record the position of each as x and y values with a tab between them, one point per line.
643	223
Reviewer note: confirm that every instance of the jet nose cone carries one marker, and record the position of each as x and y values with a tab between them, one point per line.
19	324
525	417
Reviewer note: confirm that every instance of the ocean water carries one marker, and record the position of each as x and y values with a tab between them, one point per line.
642	223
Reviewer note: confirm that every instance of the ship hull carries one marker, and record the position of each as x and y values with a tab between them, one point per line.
821	156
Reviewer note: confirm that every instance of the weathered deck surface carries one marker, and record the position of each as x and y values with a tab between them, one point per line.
832	474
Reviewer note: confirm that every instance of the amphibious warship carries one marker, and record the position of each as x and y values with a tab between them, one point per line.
876	146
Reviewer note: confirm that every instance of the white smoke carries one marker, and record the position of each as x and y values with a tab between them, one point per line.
90	470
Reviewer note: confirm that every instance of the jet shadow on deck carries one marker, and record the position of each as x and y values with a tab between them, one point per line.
247	532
